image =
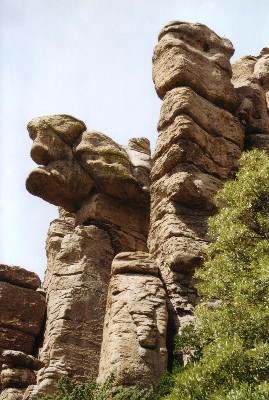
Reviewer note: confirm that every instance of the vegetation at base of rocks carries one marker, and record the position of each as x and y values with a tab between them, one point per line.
228	347
93	390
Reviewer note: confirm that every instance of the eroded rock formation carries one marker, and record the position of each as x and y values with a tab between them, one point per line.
107	215
198	146
121	256
251	82
22	310
134	338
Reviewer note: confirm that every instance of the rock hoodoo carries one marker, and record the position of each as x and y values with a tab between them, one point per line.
131	231
198	146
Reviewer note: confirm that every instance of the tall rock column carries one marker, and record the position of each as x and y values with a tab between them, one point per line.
102	189
134	338
199	143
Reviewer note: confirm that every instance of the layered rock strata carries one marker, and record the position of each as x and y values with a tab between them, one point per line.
134	337
199	143
251	82
22	310
113	216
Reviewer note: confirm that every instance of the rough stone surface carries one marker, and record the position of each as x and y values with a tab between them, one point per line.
21	359
251	81
110	166
134	339
81	245
193	55
60	179
198	147
17	377
121	259
12	394
19	276
80	263
22	310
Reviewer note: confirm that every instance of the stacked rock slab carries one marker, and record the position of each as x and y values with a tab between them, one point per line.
134	338
251	82
107	215
198	146
22	310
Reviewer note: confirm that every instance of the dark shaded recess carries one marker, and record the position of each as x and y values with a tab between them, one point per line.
170	338
39	341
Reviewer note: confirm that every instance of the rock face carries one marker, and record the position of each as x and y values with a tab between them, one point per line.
198	147
22	310
121	256
82	242
251	81
134	338
191	55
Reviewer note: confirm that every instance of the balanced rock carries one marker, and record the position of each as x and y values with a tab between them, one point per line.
81	246
195	56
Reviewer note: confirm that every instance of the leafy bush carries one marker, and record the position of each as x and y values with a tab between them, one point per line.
229	344
92	390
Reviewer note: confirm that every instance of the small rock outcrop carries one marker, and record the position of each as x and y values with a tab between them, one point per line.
131	232
251	82
22	310
134	337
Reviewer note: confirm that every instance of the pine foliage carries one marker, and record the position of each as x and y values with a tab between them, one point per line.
229	344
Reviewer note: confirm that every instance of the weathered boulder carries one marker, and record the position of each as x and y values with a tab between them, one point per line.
19	276
134	338
110	166
60	179
195	56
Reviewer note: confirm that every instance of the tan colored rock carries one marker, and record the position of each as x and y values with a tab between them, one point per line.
18	358
60	180
109	165
193	55
19	276
113	217
139	153
190	144
128	223
251	81
12	394
183	101
134	339
64	126
76	297
198	147
21	309
17	377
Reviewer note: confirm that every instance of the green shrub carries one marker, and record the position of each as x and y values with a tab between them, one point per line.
92	390
229	344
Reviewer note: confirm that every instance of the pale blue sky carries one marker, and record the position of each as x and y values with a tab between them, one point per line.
90	59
